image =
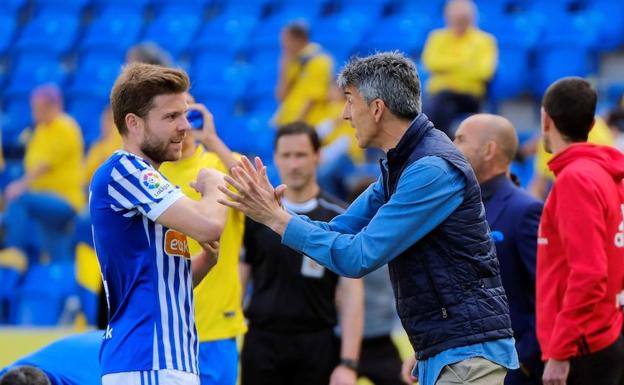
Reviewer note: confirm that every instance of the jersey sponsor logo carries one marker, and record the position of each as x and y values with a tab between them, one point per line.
109	333
176	244
154	183
619	236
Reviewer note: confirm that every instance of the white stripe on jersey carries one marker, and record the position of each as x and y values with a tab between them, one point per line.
125	203
129	166
162	297
146	227
155	357
168	377
132	189
194	343
174	310
183	320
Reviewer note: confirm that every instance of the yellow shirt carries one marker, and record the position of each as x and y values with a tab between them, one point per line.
58	145
308	82
344	128
462	64
599	134
218	312
100	151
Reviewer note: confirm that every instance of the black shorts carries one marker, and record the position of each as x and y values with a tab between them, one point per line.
269	358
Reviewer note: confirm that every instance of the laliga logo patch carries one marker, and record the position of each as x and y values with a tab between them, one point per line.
153	183
176	244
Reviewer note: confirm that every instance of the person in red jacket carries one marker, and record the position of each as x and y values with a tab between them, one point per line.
580	256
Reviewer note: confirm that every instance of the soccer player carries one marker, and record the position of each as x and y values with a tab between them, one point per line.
140	223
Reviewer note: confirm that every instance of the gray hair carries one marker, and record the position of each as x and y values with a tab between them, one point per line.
389	76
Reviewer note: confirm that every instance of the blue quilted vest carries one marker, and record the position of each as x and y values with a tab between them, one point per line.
447	285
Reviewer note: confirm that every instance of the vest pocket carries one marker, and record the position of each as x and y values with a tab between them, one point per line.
434	289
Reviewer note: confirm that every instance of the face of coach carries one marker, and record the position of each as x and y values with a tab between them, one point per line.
382	98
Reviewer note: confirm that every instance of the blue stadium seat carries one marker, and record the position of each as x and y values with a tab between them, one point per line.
228	32
113	30
516	36
222	108
17	117
567	28
199	4
130	5
11	7
555	62
214	80
608	18
405	32
96	74
259	135
174	28
87	111
29	71
264	74
69	6
41	298
341	33
429	7
8	26
51	32
266	34
9	280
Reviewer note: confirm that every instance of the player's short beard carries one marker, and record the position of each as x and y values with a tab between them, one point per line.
154	148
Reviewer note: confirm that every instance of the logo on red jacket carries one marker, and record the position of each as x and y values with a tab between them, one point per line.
619	236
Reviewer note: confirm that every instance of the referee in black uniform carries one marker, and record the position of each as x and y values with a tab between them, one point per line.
292	311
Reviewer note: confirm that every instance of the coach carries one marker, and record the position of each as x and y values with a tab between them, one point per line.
424	217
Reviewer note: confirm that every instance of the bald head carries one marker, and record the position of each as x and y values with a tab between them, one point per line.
460	15
489	142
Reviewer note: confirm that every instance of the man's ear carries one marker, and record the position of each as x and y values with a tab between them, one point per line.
489	150
547	121
134	123
378	107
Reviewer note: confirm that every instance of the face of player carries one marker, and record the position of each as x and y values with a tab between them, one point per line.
296	161
361	116
165	128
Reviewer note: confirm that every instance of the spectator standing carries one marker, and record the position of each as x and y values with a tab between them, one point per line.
461	59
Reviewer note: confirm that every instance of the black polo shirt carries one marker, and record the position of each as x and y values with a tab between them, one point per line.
291	293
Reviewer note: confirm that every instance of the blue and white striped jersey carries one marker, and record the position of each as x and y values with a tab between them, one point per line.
145	267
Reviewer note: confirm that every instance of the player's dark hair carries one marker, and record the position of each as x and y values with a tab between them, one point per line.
571	104
299	128
25	375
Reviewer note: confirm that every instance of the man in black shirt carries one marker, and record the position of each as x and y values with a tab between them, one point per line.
292	309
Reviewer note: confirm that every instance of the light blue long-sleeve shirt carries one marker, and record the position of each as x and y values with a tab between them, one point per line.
370	233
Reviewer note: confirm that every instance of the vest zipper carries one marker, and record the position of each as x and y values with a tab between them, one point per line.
436	294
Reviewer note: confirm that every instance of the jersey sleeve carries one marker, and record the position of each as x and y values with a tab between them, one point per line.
136	186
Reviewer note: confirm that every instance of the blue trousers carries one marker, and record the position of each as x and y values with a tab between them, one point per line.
52	217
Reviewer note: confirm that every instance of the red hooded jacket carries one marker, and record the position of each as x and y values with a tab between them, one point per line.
580	253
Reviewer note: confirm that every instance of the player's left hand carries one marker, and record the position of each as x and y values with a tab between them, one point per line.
343	376
211	250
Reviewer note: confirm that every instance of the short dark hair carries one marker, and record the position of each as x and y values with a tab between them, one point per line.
137	86
25	375
298	29
571	104
299	128
389	76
